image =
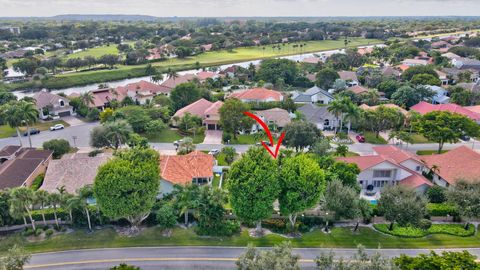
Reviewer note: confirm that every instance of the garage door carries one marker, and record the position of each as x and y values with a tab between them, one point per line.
62	114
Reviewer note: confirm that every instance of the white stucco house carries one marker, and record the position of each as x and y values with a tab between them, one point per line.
313	95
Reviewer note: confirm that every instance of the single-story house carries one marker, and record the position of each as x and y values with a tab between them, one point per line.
461	163
206	110
415	62
11	75
443	76
472	87
257	95
425	107
194	168
206	47
313	95
319	116
452	74
389	105
350	77
389	165
203	75
466	63
390	72
276	117
72	172
23	166
357	89
142	91
49	104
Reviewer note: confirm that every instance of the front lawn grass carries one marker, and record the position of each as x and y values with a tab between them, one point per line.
6	131
338	238
419	138
171	135
349	154
248	139
412	232
371	138
430	152
221	159
216	181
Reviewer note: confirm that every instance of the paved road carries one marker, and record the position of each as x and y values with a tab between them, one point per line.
181	257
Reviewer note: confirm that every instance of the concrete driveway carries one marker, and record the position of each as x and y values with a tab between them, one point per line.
72	121
213	137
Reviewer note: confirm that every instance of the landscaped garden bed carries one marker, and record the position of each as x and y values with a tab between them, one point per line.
413	232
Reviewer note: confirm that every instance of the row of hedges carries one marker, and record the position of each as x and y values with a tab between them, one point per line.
441	210
413	232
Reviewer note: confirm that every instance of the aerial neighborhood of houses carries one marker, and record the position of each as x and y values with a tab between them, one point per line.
374	130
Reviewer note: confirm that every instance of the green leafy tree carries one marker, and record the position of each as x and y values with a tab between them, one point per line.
184	94
326	77
402	205
136	116
446	261
253	186
382	119
280	257
347	173
210	211
232	118
127	185
117	133
408	96
443	126
300	134
124	266
436	194
14	259
58	146
466	197
341	150
340	199
273	70
360	261
166	217
425	79
41	198
26	66
321	147
302	182
186	146
408	74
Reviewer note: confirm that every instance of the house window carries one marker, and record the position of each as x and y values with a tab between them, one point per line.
62	103
326	122
200	181
382	174
380	183
419	168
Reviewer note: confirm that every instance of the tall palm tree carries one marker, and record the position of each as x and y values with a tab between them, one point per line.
172	74
87	98
28	114
55	199
23	198
118	132
337	108
10	114
69	203
186	198
80	202
352	114
41	198
157	78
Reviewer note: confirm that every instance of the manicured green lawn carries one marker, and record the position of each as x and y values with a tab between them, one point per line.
216	181
339	237
221	159
418	138
429	152
6	131
248	139
371	138
170	135
95	52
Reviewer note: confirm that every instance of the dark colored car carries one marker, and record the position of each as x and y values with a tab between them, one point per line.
360	138
33	131
465	138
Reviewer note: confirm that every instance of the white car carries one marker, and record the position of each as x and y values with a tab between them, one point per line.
57	127
214	152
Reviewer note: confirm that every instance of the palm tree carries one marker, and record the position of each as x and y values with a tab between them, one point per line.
172	74
41	197
352	114
338	107
55	199
23	198
118	132
10	114
80	202
28	114
87	98
69	203
186	198
157	78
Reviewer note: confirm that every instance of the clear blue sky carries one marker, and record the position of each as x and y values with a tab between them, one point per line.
215	8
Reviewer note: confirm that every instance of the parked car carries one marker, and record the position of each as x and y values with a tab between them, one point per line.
57	127
266	142
465	138
360	138
177	143
214	152
32	131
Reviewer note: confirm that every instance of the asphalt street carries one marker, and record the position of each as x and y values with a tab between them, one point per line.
184	257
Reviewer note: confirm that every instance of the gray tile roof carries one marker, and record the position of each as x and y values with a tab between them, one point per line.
315	114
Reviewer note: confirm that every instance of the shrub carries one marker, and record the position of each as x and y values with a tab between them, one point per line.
413	232
93	115
37	182
38	231
58	146
166	217
226	137
226	228
282	226
48	232
436	194
124	267
94	153
441	210
424	224
28	232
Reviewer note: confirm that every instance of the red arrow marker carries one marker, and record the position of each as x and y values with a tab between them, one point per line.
269	134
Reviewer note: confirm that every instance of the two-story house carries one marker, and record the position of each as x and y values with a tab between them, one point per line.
257	95
389	165
206	110
51	105
313	95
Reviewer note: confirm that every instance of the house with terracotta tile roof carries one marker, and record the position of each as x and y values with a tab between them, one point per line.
461	163
194	168
389	165
350	77
389	105
206	110
52	105
203	75
425	107
257	95
103	97
357	89
22	166
142	92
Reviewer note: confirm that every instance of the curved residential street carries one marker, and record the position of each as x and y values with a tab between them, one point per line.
149	258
